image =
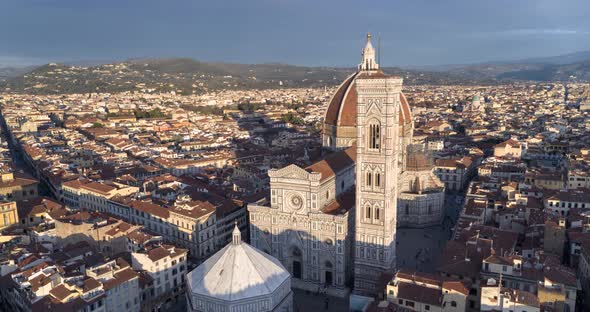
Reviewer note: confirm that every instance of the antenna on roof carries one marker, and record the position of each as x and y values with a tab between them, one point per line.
379	49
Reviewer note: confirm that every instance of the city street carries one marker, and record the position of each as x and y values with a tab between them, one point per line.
178	305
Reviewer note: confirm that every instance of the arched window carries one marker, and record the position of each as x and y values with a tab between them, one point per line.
368	212
377	214
374	135
407	209
329	242
377	179
369	179
430	209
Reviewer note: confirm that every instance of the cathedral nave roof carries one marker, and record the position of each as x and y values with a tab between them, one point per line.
334	163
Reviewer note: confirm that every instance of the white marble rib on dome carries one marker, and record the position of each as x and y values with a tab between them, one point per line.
238	271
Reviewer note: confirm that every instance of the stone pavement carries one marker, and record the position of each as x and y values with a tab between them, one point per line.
313	288
310	302
418	249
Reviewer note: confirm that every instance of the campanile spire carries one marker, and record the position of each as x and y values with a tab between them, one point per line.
368	61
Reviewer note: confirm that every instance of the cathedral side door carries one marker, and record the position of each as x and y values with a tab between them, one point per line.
297	269
328	278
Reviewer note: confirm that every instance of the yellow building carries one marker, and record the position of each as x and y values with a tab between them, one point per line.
510	148
18	186
8	214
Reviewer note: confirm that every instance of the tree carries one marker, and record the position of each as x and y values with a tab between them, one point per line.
248	107
292	119
154	113
97	124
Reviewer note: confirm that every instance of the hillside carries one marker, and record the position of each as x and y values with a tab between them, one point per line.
579	71
573	66
187	76
10	72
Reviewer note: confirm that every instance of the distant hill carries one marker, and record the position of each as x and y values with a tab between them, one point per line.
188	76
9	72
578	71
573	66
564	59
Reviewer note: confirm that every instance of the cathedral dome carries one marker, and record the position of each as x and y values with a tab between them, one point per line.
342	108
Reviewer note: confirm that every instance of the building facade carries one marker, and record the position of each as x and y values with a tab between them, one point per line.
8	214
308	222
18	186
456	173
166	265
415	291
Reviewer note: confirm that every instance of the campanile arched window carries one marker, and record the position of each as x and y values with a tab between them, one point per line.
374	135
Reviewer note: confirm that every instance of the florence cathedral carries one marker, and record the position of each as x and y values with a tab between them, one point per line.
334	222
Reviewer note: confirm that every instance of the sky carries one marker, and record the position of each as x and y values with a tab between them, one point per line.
303	32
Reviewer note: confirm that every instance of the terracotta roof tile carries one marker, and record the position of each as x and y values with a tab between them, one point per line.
334	163
342	108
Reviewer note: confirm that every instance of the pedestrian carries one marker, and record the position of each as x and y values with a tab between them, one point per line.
327	303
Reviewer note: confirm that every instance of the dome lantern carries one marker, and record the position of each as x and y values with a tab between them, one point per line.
236	235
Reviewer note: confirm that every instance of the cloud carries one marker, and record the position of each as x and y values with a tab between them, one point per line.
531	32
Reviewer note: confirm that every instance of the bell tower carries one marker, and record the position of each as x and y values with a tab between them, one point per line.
377	173
368	62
